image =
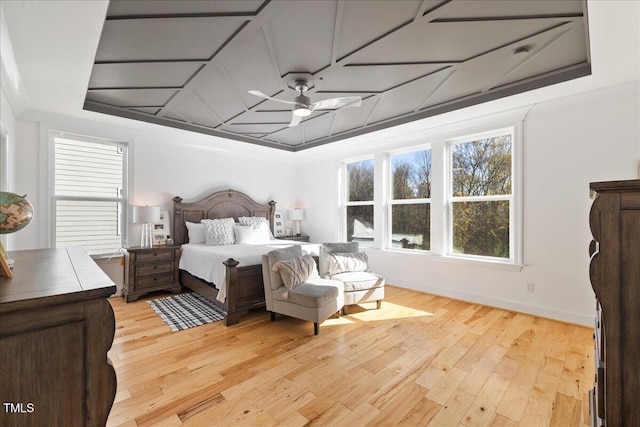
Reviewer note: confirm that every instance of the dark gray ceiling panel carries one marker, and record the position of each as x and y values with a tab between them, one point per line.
165	38
365	21
148	74
510	8
190	64
195	111
132	98
120	8
219	96
374	78
249	66
303	35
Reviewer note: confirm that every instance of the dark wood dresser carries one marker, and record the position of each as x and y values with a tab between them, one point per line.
150	269
615	277
56	327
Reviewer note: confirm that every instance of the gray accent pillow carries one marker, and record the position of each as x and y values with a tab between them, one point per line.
348	262
296	270
281	255
330	248
218	232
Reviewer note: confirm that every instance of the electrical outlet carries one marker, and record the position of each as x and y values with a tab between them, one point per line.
530	287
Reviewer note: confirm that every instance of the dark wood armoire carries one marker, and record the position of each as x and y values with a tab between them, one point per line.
615	278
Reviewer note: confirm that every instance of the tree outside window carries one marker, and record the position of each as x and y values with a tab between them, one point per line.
359	201
410	202
481	196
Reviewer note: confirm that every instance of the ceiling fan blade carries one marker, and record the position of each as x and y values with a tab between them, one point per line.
262	95
295	120
334	103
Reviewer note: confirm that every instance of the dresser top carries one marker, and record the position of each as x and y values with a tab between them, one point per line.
52	276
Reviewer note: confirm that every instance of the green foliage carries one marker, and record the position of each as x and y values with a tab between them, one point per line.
360	181
482	168
411	175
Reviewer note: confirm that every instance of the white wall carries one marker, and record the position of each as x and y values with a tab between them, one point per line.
8	125
165	163
567	144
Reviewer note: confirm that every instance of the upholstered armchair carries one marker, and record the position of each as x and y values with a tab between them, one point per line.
293	287
344	262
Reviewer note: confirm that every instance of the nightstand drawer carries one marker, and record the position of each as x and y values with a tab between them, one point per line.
160	255
149	270
154	281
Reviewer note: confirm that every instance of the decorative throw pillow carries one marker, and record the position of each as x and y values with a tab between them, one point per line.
252	220
296	270
196	232
245	234
344	262
218	231
260	224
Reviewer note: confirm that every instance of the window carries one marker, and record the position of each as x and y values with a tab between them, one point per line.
410	201
454	194
481	196
89	193
359	201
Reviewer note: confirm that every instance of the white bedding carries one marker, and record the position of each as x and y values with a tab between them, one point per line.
206	262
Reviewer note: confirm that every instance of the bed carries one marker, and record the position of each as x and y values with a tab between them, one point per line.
241	288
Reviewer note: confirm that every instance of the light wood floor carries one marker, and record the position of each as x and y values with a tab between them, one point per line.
420	360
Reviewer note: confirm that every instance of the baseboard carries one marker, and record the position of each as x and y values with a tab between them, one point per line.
536	310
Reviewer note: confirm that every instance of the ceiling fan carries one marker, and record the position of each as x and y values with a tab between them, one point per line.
303	107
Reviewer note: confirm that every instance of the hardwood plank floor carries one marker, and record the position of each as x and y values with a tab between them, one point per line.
421	360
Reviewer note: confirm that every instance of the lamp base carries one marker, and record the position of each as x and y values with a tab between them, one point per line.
297	228
146	240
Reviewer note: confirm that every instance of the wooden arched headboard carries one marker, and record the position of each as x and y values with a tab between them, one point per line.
221	204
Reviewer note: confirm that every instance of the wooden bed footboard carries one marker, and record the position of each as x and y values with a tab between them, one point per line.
245	290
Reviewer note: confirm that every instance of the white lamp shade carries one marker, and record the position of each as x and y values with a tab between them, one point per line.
146	214
296	214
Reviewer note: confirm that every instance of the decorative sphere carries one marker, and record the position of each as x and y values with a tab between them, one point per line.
15	212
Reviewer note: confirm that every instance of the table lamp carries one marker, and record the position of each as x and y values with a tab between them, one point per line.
146	215
296	215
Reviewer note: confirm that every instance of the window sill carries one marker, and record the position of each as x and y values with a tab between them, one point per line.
499	265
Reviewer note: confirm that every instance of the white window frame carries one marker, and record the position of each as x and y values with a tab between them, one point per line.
437	139
393	202
450	199
124	198
345	197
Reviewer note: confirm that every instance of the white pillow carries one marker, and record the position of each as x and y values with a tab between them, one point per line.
218	232
346	262
260	224
244	234
195	232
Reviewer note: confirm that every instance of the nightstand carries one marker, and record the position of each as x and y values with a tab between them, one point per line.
295	238
150	269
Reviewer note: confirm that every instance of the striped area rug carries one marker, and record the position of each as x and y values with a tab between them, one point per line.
186	311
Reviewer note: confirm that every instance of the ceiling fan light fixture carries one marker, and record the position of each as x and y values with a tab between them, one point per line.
301	111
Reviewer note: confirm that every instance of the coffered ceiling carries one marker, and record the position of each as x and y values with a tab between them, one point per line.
191	64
